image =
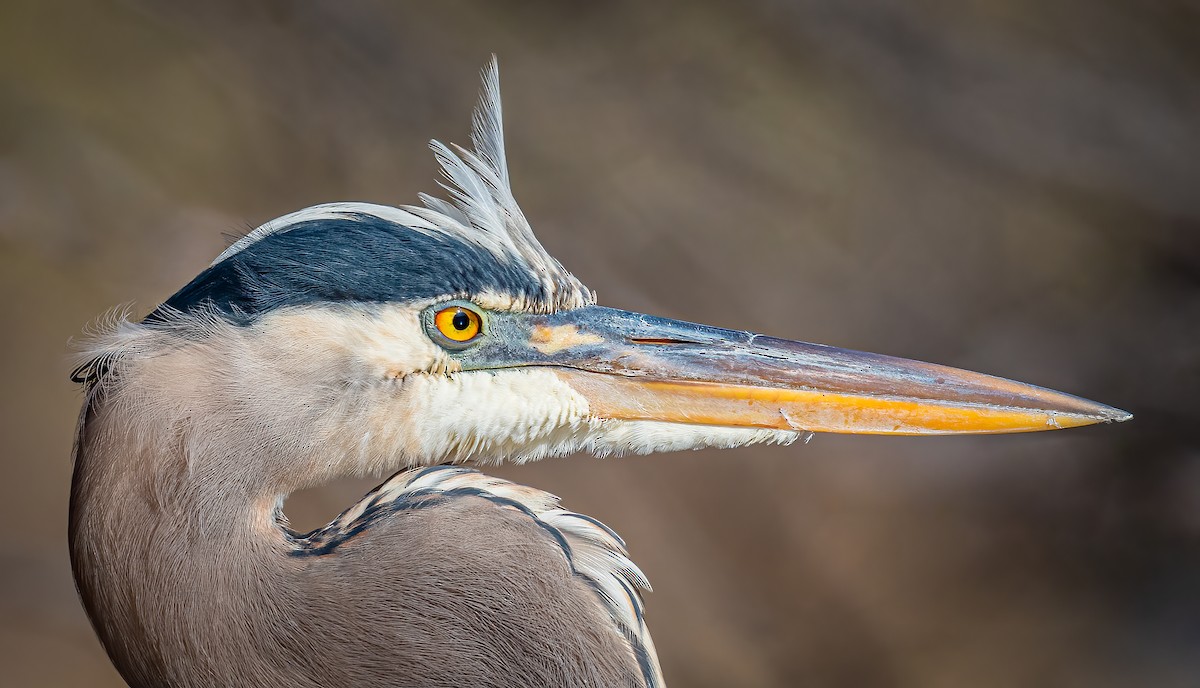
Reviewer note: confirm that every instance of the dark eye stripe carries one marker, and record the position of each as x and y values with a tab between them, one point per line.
364	259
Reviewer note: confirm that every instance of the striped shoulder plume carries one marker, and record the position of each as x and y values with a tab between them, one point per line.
596	553
481	211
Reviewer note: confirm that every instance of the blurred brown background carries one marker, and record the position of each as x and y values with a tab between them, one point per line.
1007	186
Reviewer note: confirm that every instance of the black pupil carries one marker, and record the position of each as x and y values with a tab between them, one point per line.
461	321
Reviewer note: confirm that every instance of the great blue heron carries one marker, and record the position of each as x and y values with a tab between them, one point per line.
352	339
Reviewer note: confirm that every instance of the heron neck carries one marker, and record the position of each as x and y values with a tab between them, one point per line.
177	569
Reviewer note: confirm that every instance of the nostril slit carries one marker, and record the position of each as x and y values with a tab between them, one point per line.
660	340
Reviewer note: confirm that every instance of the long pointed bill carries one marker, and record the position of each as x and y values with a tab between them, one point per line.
639	367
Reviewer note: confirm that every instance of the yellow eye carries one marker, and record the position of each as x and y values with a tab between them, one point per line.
457	323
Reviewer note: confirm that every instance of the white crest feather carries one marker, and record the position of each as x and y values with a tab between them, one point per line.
481	209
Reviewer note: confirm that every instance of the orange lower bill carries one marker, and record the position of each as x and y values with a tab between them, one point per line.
734	405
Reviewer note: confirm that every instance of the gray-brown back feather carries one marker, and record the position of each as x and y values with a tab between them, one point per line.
454	589
469	542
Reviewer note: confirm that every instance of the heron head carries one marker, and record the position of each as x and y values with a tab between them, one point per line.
370	337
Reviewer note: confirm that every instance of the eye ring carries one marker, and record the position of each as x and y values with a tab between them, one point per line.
455	325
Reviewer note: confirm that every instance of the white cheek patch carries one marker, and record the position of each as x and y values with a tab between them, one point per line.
518	414
527	414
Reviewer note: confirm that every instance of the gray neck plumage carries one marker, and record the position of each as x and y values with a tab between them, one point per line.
170	563
175	541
